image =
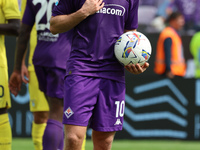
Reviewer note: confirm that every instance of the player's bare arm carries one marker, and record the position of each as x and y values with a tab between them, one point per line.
63	23
24	71
11	28
22	42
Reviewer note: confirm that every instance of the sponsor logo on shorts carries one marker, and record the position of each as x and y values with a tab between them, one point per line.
68	112
118	122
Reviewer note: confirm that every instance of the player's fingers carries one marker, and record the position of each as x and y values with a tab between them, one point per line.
13	89
139	68
100	3
135	68
27	76
129	68
14	92
11	85
19	87
24	80
146	65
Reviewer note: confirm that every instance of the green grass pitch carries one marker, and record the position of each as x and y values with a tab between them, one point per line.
26	144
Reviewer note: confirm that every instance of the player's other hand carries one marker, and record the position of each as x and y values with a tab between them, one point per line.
92	6
15	82
169	74
24	74
137	69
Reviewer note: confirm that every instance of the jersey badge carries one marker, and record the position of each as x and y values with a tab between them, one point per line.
68	112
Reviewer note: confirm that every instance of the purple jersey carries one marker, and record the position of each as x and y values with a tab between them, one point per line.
51	50
94	38
189	8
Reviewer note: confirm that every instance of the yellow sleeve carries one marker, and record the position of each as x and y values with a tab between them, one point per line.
23	6
11	9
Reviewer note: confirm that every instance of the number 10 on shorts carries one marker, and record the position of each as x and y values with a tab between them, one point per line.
120	106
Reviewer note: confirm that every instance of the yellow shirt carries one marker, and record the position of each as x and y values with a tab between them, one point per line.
9	9
33	40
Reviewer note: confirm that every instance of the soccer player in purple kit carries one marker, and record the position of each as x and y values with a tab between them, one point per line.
95	81
49	62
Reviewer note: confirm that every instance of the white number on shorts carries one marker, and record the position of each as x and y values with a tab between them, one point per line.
45	8
2	93
120	108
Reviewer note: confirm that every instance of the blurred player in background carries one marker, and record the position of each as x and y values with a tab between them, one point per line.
195	51
169	54
95	80
49	61
191	12
38	103
9	25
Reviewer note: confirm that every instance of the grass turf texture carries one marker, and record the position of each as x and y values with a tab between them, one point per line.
26	144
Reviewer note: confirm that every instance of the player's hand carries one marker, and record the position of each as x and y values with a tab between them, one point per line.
15	82
169	75
24	74
92	6
137	69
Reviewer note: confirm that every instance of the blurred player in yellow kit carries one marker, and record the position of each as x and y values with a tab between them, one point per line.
9	25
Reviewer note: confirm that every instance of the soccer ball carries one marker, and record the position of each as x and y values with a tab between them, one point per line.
132	47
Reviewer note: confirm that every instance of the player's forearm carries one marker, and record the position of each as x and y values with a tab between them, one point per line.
11	28
21	47
63	23
24	58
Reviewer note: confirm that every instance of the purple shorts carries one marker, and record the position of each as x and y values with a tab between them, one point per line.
97	101
51	80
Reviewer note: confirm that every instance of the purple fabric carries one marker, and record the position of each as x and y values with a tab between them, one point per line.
94	38
51	50
61	145
189	8
53	136
96	99
51	81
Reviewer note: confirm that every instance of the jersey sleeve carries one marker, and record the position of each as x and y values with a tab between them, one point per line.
29	16
11	9
23	6
132	21
63	7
